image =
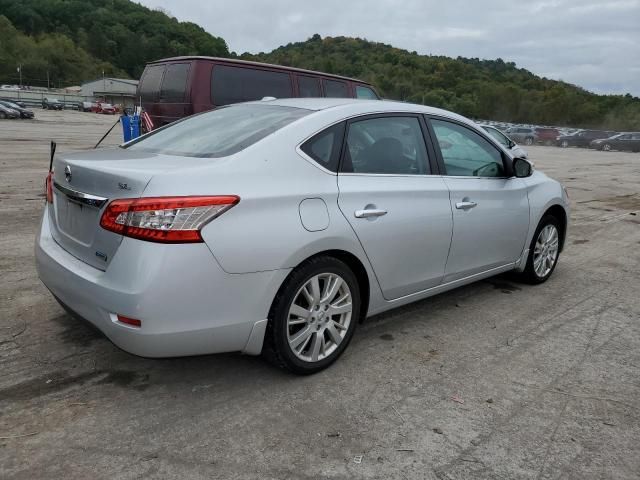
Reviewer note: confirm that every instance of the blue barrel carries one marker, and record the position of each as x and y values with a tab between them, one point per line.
130	126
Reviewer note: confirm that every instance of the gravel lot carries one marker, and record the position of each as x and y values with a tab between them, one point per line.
492	380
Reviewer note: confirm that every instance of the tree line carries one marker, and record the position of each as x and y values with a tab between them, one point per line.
67	42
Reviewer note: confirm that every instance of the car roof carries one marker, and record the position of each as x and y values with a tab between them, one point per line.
255	64
361	106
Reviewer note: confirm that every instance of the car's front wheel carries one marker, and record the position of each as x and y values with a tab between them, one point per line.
528	141
313	317
543	251
565	144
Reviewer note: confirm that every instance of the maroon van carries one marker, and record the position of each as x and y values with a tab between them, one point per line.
176	87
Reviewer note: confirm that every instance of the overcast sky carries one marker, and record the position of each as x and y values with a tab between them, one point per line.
594	44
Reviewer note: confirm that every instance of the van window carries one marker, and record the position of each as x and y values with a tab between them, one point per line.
150	83
365	92
308	87
238	84
335	89
218	133
175	82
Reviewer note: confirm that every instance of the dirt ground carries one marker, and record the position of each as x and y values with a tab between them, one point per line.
493	380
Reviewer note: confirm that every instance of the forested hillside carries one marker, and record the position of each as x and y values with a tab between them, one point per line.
75	40
71	41
488	89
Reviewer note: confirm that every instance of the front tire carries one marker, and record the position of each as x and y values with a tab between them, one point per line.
313	316
564	144
544	251
528	141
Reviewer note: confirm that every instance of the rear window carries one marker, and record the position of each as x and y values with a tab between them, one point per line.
238	84
335	89
175	82
220	132
150	84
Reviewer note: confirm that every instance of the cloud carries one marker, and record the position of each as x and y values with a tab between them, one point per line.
590	43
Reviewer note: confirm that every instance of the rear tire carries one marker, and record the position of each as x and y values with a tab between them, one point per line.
528	141
564	144
544	251
313	316
3	115
606	147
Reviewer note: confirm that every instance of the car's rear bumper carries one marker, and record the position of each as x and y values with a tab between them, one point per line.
187	304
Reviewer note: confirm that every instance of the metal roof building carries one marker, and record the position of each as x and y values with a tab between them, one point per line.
112	90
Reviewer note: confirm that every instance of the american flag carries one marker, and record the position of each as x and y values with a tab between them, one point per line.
147	123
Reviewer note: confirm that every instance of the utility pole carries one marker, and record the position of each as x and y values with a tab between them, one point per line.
20	72
48	87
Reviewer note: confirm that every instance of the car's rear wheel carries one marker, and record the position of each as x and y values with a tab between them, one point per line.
313	317
3	115
564	144
606	147
528	141
543	251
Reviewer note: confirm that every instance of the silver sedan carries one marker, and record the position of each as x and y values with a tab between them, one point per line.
277	226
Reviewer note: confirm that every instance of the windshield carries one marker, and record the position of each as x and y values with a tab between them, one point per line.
221	132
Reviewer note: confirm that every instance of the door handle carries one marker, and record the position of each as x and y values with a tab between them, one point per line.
372	212
465	205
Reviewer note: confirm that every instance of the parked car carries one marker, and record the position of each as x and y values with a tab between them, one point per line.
10	87
6	112
13	100
86	106
107	109
24	113
629	142
52	104
546	135
174	88
270	236
515	149
582	138
524	135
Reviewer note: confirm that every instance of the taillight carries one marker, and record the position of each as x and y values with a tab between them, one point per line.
48	187
165	219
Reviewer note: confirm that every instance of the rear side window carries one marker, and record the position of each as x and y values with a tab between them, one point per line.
237	84
175	82
365	92
309	87
387	145
220	132
324	147
150	84
335	89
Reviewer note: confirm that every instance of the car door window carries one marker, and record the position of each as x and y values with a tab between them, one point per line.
465	153
499	137
386	145
365	92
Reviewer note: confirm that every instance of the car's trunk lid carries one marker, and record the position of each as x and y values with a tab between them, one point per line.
85	182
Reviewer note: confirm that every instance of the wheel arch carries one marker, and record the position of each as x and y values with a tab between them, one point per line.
560	213
356	266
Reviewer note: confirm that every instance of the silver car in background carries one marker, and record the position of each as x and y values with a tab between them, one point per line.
276	226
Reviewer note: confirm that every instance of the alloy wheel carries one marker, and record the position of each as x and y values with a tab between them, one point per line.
545	253
319	317
606	147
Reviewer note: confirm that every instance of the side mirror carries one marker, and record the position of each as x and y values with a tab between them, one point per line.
522	167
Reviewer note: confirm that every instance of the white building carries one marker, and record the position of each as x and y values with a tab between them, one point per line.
112	90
